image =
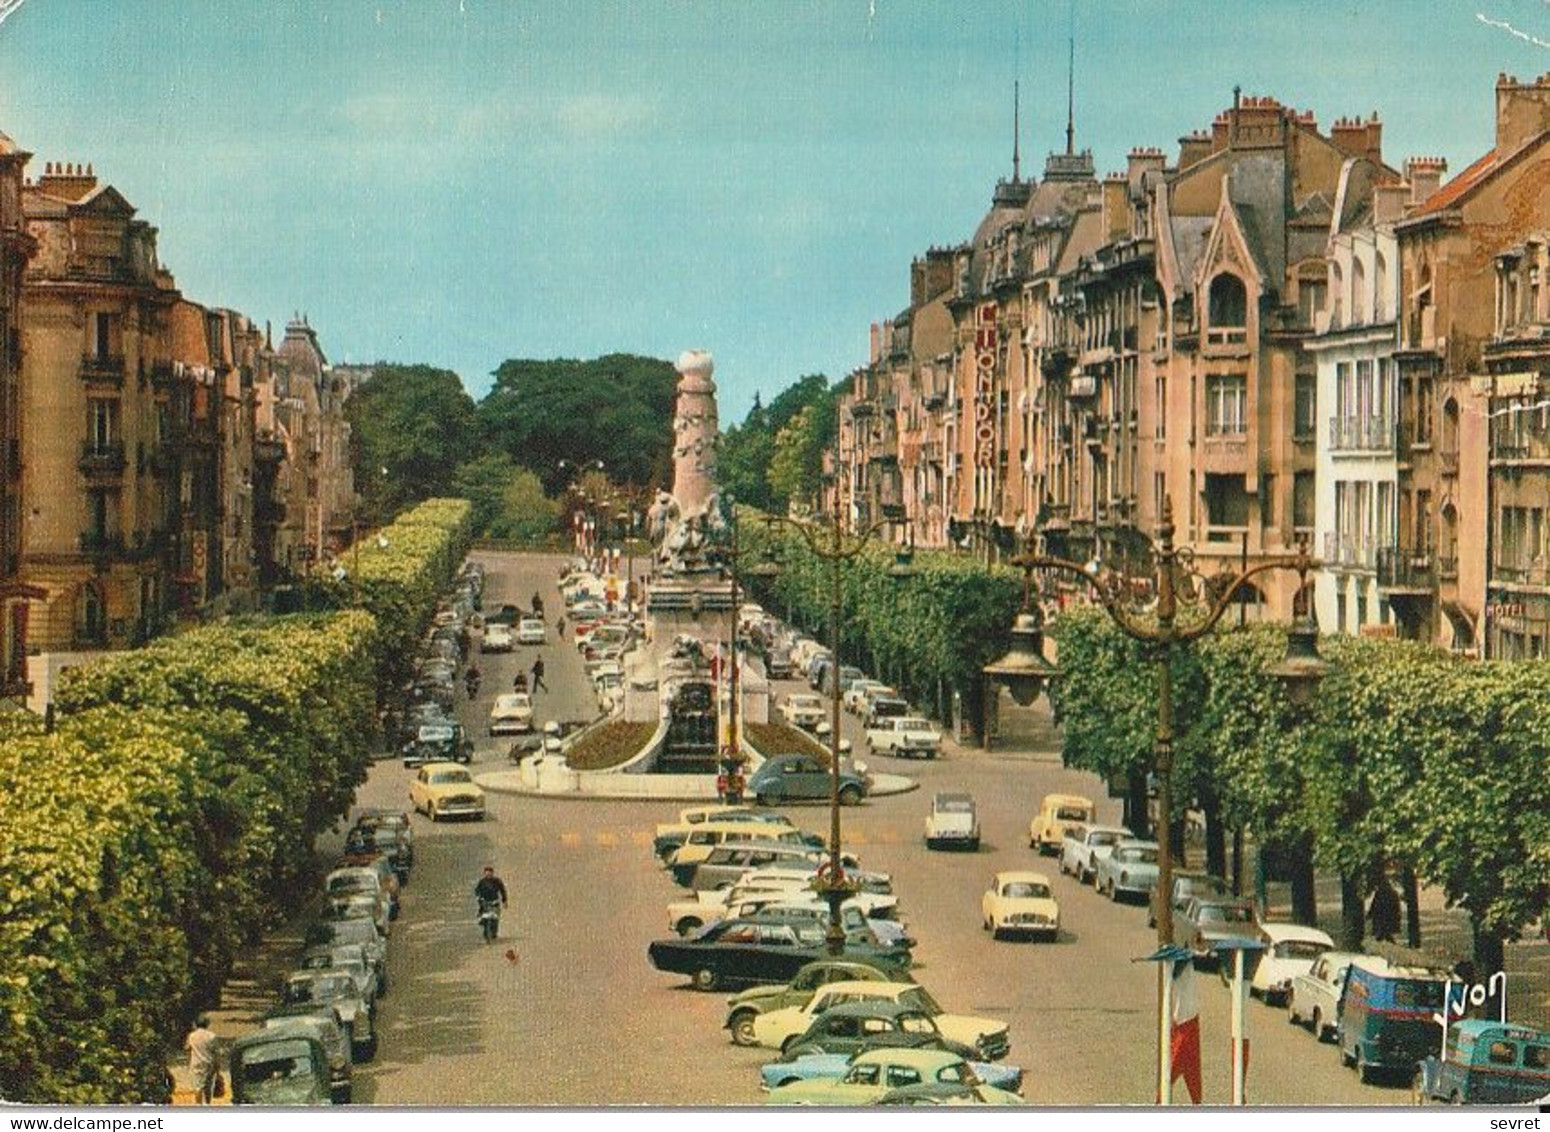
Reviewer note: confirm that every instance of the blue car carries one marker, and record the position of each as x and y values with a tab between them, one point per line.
785	778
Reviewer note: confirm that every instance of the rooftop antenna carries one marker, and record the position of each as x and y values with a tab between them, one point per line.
1071	84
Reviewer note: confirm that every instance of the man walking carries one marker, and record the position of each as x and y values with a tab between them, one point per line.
538	674
200	1044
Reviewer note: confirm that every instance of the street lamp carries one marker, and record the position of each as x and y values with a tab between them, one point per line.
836	548
1299	673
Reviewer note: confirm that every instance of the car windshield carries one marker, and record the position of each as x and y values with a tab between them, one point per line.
1103	838
955	804
912	725
1070	813
1225	913
354	882
920	999
917	1024
1137	856
1025	890
1299	949
1418	993
279	1073
435	734
442	777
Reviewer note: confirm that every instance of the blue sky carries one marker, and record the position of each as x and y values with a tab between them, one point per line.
462	181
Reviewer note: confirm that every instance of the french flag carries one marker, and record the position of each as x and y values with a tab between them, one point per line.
1184	1032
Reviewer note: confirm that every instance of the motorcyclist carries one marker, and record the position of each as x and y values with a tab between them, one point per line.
538	606
471	680
490	892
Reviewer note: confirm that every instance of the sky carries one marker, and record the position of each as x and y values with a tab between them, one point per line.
457	182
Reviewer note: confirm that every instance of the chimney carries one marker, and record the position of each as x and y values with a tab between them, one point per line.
875	353
1357	138
1194	147
67	182
1425	176
1143	160
1389	202
1522	111
1116	207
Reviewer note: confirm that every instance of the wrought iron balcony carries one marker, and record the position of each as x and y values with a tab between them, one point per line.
1535	574
1361	434
103	368
102	458
102	542
1406	568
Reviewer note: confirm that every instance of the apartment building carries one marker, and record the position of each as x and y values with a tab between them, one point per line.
16	248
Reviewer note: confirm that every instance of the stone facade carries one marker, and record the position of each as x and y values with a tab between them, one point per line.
16	248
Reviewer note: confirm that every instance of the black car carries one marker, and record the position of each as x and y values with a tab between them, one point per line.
508	614
438	743
744	952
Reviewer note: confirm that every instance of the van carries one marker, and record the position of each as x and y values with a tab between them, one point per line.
1486	1062
727	863
707	835
1385	1016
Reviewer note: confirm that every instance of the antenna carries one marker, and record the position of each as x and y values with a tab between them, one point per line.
1071	85
1016	132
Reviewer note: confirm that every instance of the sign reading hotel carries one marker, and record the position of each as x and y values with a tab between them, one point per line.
984	385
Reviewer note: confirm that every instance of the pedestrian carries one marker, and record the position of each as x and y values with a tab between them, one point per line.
538	674
559	626
200	1044
1384	911
538	606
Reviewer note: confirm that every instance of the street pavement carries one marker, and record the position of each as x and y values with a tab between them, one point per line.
566	1010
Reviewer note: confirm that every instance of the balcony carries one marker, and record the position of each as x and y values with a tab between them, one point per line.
1361	434
102	543
1083	385
1533	575
1349	552
1520	447
1220	533
1406	569
102	458
103	368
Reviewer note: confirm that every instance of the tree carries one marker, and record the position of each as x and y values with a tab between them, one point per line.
796	466
483	481
617	409
410	428
525	512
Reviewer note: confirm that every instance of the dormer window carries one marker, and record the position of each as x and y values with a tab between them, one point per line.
1228	309
1336	297
1358	292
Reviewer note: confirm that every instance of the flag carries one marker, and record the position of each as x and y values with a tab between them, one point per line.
1184	1030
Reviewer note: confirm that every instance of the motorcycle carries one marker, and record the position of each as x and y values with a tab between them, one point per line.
489	918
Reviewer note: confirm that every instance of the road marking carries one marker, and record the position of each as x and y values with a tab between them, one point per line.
856	837
888	836
607	841
570	840
643	837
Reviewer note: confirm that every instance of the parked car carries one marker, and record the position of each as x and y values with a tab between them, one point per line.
323	1026
670	835
855	697
1021	903
705	837
1208	921
848	675
1315	996
353	879
727	863
743	952
438	742
1129	870
1486	1062
953	822
841	1034
877	1072
375	906
803	710
1186	883
793	777
446	790
497	638
532	631
905	736
1290	950
1385	1016
280	1069
339	990
777	662
775	1029
744	1007
1084	844
390	841
353	960
511	714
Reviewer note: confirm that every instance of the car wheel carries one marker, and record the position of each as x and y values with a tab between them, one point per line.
1418	1089
850	796
1292	1016
705	979
1318	1025
742	1028
1347	1059
688	926
974	846
342	1094
364	1051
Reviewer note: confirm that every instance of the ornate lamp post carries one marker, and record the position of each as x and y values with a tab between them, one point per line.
836	548
1024	670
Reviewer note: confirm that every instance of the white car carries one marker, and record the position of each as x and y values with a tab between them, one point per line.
775	1028
952	822
531	631
905	735
1020	902
803	710
497	638
1080	851
855	696
1290	950
511	714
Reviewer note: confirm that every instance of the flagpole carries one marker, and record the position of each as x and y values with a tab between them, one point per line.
1165	1038
1237	1028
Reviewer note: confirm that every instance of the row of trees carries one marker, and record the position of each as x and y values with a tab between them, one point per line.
775	457
172	813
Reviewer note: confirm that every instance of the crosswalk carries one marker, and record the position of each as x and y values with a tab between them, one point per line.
634	839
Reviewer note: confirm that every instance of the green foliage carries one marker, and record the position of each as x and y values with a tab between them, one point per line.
410	429
507	500
796	465
617	408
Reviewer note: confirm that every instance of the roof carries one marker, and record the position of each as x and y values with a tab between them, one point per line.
1449	194
1378	965
873	1009
924	1059
1021	876
1066	800
1280	933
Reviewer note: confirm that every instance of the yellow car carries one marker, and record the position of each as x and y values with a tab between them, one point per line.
1021	903
1058	815
446	790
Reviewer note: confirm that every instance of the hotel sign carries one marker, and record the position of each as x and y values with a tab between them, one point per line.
984	404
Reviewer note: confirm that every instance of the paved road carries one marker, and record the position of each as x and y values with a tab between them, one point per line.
567	1011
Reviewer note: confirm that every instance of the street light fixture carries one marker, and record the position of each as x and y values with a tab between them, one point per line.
836	548
1299	672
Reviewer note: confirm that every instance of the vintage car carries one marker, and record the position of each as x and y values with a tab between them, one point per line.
1020	903
394	844
1130	870
778	1029
1315	996
372	818
744	1007
707	835
841	1033
1186	883
905	736
1208	921
373	906
952	822
323	1025
531	631
438	743
872	1074
1290	950
350	880
280	1069
1384	1023
350	958
804	710
1084	844
511	714
497	638
362	933
1486	1062
339	990
1058	815
795	777
670	835
727	863
744	952
446	790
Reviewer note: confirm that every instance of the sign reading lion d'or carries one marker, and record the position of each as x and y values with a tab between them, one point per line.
984	385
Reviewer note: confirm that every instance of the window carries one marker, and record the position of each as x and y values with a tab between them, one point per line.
1423	410
1227	503
1302	501
1340	623
1336	297
1228	302
1380	297
101	424
1502	1053
1311	295
1306	401
102	334
1536	1057
1226	405
1161	408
